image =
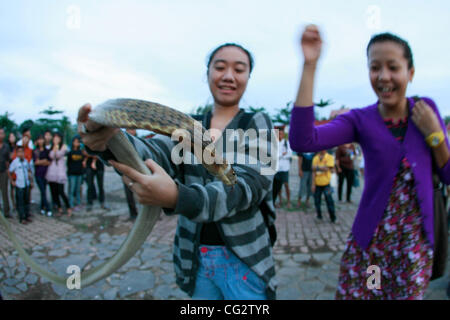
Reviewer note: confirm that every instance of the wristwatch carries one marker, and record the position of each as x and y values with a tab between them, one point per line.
435	139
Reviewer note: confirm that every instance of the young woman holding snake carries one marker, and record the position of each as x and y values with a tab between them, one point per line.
401	140
222	247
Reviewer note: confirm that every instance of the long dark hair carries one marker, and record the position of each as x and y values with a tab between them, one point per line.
12	146
77	137
60	138
41	136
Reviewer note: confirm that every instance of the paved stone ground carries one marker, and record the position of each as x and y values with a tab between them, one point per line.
307	252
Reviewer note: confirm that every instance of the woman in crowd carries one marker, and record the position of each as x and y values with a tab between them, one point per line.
222	246
12	141
345	156
75	171
41	161
393	228
57	174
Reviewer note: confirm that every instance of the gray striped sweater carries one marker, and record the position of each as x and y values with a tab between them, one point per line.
203	198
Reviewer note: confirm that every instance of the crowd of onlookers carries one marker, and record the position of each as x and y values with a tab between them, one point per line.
320	174
47	161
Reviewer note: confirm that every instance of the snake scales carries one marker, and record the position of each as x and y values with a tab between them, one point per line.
134	114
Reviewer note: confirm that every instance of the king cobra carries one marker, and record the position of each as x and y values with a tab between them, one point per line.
136	114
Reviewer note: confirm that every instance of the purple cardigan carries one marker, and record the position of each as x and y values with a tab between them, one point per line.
382	156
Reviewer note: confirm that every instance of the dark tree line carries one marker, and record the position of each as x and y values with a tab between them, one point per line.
52	119
280	117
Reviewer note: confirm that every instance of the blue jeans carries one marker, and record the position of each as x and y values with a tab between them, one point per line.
90	175
326	190
305	185
74	189
23	202
222	276
42	184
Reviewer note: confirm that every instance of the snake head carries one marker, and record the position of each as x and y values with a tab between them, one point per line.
230	178
227	175
224	172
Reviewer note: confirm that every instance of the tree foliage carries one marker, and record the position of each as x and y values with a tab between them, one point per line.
55	120
50	111
26	125
257	109
283	115
324	103
7	123
203	109
280	117
447	119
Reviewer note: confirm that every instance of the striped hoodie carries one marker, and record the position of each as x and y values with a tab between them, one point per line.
203	198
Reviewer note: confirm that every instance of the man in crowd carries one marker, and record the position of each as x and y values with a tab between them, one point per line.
26	132
322	165
48	136
4	164
23	184
305	174
94	169
284	163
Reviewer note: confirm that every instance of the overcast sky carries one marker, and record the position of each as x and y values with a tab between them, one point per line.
66	53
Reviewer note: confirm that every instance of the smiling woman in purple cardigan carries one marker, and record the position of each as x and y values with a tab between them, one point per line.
401	140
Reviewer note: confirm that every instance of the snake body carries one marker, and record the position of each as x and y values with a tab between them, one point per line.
134	114
140	114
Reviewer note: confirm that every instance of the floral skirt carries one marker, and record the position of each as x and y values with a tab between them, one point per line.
399	248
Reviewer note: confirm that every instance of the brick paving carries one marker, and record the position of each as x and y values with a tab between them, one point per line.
42	230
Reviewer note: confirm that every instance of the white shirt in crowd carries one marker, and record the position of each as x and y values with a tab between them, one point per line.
30	144
21	169
284	156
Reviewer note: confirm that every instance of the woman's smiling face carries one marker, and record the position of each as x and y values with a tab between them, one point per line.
228	75
389	72
56	139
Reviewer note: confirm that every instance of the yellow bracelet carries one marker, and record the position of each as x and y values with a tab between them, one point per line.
435	139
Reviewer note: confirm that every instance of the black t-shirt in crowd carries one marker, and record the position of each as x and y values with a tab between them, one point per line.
307	161
75	162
